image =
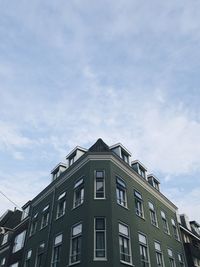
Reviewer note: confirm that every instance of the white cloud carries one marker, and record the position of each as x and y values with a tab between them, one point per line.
186	201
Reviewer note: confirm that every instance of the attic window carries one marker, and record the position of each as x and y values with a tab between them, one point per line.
72	159
155	184
141	172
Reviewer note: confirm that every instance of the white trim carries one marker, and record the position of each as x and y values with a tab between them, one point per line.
123	148
129	241
140	163
71	235
136	177
75	149
60	164
147	246
105	234
104	184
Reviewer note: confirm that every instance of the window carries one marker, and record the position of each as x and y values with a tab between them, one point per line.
3	262
19	241
78	193
159	255
56	250
61	205
5	238
100	239
45	217
165	223
180	260
141	172
196	262
25	212
72	159
40	255
144	253
171	258
124	244
99	184
125	157
33	227
153	216
139	204
175	230
121	192
76	238
28	258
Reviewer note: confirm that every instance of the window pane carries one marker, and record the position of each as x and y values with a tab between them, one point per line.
100	240
142	239
123	229
157	246
58	239
100	224
99	174
77	229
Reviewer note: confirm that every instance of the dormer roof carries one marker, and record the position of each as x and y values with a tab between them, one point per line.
74	151
122	147
140	163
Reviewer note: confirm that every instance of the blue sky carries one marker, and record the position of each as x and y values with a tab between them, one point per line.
125	71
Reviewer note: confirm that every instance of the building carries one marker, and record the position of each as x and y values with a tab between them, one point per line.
190	231
100	209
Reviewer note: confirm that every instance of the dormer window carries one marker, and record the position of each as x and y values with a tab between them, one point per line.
153	180
75	154
71	160
56	172
139	168
195	226
121	151
25	212
125	157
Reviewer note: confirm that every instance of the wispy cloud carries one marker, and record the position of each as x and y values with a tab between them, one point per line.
128	72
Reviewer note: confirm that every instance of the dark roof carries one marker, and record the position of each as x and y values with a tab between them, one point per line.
99	146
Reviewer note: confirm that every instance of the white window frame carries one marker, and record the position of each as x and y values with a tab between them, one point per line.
121	187
56	245
5	238
25	212
144	245
165	222
105	240
95	184
127	237
175	230
18	246
79	186
171	256
159	251
61	200
71	241
152	212
139	199
45	213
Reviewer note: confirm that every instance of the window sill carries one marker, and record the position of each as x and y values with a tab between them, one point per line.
61	216
74	263
99	198
43	227
143	218
126	208
156	226
126	263
100	259
77	206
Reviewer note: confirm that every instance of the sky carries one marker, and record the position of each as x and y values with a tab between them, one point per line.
74	71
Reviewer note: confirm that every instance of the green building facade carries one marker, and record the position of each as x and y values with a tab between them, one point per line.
101	210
